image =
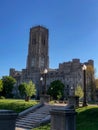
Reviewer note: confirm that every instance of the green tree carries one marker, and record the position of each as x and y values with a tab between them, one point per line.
79	91
27	90
96	83
56	89
30	89
91	87
8	84
1	85
22	89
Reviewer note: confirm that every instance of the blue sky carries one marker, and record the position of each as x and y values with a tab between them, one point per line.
72	24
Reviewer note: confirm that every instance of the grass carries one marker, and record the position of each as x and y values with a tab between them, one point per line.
16	105
86	119
44	127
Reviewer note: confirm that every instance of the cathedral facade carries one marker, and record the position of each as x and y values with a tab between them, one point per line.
70	73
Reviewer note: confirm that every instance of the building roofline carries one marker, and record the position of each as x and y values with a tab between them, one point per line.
39	27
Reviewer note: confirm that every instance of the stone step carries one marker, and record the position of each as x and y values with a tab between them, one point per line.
34	118
25	127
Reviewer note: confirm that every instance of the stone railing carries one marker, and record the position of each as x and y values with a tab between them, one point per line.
7	119
63	118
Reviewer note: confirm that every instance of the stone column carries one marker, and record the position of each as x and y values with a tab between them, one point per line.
44	99
73	100
7	119
63	119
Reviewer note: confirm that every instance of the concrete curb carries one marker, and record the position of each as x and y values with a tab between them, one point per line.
33	108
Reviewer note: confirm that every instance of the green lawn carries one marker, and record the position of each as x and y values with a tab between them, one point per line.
16	105
87	119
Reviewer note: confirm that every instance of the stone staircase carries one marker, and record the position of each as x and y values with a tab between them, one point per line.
34	118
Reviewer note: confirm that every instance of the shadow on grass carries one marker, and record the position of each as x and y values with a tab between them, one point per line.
87	119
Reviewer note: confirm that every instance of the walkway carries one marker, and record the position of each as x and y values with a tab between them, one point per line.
19	128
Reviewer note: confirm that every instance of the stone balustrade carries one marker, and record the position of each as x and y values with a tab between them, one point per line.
63	118
7	119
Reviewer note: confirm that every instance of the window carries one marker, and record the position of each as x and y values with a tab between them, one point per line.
33	41
33	62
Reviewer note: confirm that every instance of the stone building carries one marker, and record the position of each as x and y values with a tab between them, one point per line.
70	73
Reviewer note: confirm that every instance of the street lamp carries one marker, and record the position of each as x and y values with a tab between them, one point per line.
45	73
41	80
72	91
84	85
44	98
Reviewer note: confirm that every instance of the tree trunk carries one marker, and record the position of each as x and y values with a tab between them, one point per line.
27	98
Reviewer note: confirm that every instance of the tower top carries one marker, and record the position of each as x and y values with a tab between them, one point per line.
38	48
39	27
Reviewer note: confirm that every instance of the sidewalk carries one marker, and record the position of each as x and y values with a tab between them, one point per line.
20	128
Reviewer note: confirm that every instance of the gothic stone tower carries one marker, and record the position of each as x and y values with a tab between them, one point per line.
38	58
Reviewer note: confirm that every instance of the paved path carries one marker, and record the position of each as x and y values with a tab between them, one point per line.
19	128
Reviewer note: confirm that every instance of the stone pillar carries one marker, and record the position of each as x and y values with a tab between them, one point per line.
73	100
63	119
44	99
7	119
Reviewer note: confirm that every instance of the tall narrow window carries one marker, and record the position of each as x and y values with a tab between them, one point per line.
33	41
33	62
